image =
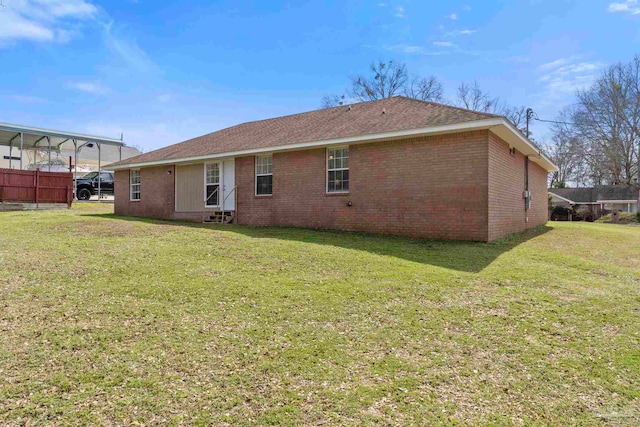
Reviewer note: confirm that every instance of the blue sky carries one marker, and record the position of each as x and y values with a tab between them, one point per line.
164	71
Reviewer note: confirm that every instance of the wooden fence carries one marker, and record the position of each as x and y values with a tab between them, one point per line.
24	186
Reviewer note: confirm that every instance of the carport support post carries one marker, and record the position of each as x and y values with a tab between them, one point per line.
10	153
49	151
75	169
21	146
99	171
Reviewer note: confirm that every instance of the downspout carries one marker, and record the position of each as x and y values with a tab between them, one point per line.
526	175
527	194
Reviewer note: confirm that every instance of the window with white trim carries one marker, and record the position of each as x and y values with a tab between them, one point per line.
212	184
264	175
134	184
338	170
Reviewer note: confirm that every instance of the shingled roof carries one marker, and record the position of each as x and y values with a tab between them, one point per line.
365	118
597	193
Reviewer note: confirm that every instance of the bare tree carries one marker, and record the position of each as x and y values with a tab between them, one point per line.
386	79
329	101
627	103
565	151
516	115
424	88
472	97
607	121
627	88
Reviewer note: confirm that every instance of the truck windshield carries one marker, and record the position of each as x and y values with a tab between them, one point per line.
90	175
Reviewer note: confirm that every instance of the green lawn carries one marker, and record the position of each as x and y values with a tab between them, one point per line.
119	321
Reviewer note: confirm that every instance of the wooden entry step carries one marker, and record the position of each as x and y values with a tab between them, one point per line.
221	217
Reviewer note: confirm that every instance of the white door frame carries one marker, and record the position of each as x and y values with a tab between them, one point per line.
220	182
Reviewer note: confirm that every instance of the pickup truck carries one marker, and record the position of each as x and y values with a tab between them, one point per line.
87	185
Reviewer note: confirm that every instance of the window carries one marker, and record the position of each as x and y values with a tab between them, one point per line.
264	175
134	184
338	170
91	175
106	177
212	184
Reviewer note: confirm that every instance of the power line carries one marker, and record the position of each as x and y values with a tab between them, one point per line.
533	115
553	121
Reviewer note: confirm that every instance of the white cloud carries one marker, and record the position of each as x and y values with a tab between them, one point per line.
517	59
60	20
403	48
453	16
28	99
629	6
422	50
466	32
555	64
165	97
90	87
63	8
443	44
127	49
560	79
42	20
400	12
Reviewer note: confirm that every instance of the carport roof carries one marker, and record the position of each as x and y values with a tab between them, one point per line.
34	137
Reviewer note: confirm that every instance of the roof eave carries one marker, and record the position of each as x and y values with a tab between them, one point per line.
498	124
562	198
516	139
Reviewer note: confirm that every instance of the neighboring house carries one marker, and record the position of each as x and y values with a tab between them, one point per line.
599	200
397	165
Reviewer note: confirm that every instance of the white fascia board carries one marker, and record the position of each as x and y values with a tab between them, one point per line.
360	139
494	122
617	201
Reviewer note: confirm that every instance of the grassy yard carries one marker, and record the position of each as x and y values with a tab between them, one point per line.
117	321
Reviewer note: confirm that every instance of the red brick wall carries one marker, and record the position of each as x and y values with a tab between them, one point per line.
538	185
157	193
427	187
464	186
507	213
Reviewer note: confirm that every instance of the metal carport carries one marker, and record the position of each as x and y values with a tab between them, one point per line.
33	138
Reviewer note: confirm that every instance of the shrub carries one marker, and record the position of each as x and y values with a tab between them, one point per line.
623	218
559	213
559	210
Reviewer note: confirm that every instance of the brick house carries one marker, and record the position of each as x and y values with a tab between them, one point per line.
597	201
397	166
